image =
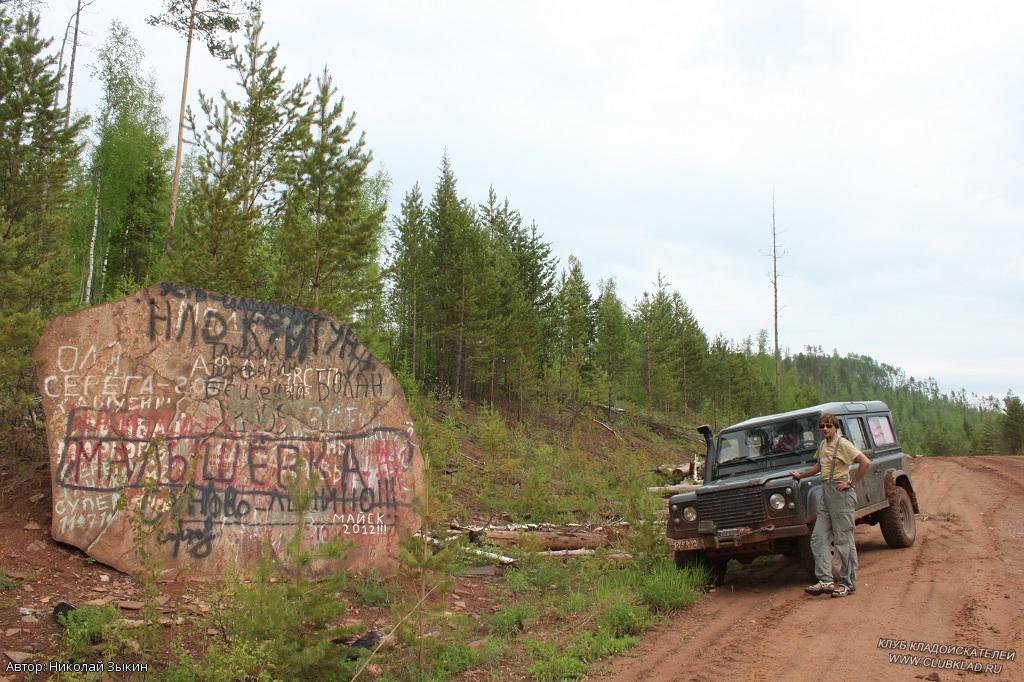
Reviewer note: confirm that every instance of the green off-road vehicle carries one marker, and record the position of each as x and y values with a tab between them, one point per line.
750	506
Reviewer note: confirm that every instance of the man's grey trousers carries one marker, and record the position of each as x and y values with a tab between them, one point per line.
835	526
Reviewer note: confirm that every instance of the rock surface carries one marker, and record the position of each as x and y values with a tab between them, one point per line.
180	420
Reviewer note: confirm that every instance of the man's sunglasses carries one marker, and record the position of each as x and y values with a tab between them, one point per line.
826	426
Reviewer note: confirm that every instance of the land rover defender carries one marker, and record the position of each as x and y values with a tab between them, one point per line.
749	505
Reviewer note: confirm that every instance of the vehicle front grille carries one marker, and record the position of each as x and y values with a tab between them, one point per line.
733	508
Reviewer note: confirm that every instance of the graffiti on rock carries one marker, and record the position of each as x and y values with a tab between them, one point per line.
219	402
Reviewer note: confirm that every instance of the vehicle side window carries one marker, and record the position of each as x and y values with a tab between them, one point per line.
881	430
856	433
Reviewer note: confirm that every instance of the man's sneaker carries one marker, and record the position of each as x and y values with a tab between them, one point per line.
819	588
842	591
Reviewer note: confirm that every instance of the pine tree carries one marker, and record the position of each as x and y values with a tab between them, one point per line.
692	350
326	239
242	151
1012	424
655	330
209	20
454	250
38	156
408	295
612	351
575	334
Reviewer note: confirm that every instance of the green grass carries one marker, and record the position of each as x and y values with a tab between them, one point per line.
7	583
555	617
512	619
374	590
88	628
665	588
554	663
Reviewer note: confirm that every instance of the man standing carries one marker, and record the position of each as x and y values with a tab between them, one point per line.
836	504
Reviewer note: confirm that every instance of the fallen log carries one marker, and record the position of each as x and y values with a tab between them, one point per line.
552	540
613	556
667	490
504	560
678	471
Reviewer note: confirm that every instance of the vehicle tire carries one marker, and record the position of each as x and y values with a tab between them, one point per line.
806	557
897	522
716	567
688	559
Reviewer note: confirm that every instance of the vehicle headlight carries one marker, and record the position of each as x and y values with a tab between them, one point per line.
777	501
690	514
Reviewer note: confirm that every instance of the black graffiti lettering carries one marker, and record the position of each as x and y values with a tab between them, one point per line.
220	475
199	541
187	314
282	468
295	339
350	465
122	457
366	500
257	448
210	335
317	321
153	318
283	501
340	330
323	388
317	455
386	492
248	333
233	506
327	498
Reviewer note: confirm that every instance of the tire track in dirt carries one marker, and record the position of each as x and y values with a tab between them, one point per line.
956	585
1004	528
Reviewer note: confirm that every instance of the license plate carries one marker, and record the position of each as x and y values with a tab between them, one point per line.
686	543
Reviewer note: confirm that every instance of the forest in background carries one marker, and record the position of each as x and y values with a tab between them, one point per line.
461	297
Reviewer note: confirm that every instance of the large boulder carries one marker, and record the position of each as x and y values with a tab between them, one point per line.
188	426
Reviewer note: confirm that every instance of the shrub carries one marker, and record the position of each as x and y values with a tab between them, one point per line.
536	574
374	590
624	619
665	588
88	627
554	663
492	432
573	603
7	583
601	643
511	619
239	660
451	658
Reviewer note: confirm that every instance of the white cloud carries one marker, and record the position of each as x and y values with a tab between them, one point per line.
652	137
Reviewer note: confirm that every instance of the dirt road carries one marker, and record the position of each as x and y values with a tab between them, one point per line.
960	585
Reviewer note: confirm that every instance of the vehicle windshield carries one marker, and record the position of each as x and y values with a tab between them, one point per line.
767	440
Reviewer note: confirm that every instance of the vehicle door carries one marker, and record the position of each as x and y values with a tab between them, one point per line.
870	489
886	452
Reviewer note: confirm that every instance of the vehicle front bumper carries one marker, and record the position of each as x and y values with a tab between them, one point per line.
734	538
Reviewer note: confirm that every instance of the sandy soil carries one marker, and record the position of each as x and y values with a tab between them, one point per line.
959	584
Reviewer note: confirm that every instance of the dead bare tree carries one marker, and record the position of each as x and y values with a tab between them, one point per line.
79	6
775	299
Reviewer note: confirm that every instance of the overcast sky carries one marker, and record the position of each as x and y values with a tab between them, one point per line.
654	137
